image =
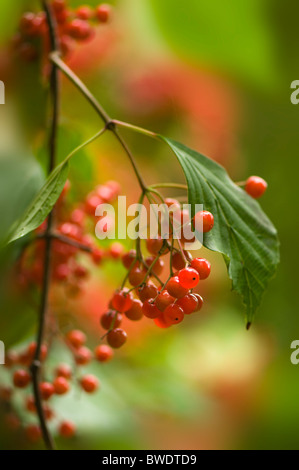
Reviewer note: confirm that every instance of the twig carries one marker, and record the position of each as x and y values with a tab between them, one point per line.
110	124
36	364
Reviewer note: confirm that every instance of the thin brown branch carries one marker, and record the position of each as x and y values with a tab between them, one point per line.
36	364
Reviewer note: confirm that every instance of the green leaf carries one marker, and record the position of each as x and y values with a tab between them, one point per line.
42	203
21	179
242	232
48	195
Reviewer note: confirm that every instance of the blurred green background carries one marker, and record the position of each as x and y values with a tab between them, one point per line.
217	77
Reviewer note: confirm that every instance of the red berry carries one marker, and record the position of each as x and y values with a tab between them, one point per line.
203	221
66	47
28	52
178	261
80	30
33	432
21	378
61	386
136	276
129	258
154	245
256	186
161	322
93	201
61	272
46	390
97	256
80	272
202	266
163	300
116	250
12	421
158	266
11	358
84	12
48	412
32	349
189	303
78	217
149	291
175	289
83	356
173	204
76	338
111	319
89	383
103	13
105	192
200	302
116	338
58	5
122	301
71	230
188	278
103	353
28	24
174	314
67	429
150	310
115	187
135	313
30	404
5	393
64	370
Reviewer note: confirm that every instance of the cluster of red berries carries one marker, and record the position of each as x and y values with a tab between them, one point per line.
72	232
62	378
72	25
168	303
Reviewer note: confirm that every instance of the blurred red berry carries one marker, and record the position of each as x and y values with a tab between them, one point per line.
103	13
33	432
76	338
154	246
116	338
67	429
21	378
61	386
83	356
103	353
63	370
111	319
129	258
89	383
46	390
84	12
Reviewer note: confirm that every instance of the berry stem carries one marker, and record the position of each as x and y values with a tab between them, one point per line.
67	241
168	185
110	124
140	130
36	364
